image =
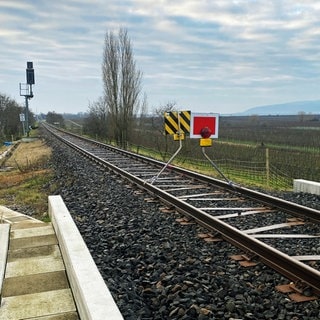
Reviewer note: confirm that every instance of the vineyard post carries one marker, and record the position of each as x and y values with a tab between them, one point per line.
267	167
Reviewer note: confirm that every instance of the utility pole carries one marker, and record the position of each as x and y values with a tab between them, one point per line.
26	91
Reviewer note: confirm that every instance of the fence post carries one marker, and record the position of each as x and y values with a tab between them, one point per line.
267	167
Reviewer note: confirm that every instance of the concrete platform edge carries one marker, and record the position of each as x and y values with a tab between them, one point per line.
306	186
92	296
4	241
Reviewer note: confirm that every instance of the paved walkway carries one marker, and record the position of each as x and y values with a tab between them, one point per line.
35	284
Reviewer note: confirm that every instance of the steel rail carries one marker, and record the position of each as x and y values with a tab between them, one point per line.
288	207
289	267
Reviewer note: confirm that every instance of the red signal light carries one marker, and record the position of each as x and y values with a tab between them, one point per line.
205	132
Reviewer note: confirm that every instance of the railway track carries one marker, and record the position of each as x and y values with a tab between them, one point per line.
227	210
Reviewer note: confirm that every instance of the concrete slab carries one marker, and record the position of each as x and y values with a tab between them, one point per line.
41	304
6	213
27	266
16	219
29	242
43	251
35	283
42	230
64	316
26	223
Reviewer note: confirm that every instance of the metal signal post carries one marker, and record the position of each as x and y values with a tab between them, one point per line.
26	91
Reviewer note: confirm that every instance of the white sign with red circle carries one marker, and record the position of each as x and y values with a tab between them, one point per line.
204	125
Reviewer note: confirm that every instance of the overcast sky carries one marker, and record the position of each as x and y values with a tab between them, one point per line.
221	56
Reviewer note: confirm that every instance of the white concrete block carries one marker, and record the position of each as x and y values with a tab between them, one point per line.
306	186
93	298
4	245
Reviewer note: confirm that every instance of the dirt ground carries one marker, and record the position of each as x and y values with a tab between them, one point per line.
23	176
29	153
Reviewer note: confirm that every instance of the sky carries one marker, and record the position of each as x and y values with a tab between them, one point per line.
222	56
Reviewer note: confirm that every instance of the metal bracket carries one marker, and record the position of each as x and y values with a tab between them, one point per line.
178	136
153	179
216	167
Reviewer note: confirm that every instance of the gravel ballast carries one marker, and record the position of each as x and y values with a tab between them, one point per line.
157	268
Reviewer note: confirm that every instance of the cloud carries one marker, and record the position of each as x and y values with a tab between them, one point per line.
233	50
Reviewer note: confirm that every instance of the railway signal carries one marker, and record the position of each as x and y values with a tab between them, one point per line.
199	125
26	91
204	126
30	73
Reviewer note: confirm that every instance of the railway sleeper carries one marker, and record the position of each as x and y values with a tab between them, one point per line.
297	291
245	259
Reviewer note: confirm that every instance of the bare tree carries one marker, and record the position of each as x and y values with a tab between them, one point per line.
122	85
95	123
10	124
162	142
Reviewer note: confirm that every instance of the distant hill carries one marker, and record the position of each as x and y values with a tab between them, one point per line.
291	108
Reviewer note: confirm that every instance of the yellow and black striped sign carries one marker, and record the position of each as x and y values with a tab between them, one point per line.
172	120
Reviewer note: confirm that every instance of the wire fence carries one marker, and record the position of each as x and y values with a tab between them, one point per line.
250	173
243	172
